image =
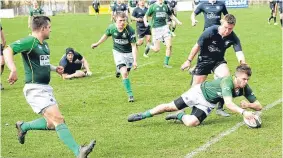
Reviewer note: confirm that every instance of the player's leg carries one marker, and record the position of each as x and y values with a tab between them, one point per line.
168	41
281	17
173	25
2	64
271	13
147	35
156	37
220	71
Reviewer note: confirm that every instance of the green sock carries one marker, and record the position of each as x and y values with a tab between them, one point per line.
66	136
127	85
146	114
38	124
166	61
180	115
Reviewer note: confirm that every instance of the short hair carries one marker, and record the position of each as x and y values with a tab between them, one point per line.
244	68
230	19
39	22
69	49
121	15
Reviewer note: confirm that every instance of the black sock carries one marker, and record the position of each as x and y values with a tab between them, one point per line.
2	68
270	18
274	19
173	29
220	104
281	22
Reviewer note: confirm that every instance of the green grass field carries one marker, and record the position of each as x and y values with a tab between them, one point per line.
96	107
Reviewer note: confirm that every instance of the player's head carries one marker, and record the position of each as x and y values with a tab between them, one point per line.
120	19
141	3
227	25
212	1
35	4
242	75
42	24
160	1
70	54
119	1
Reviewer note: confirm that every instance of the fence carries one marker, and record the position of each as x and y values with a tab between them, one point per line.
21	7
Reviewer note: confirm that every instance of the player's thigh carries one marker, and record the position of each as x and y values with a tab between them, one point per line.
222	70
168	41
39	97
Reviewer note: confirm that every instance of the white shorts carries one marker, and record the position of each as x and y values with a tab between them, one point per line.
39	96
123	58
194	98
160	33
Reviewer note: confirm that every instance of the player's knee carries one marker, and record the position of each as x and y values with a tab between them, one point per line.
191	123
58	119
170	107
139	43
156	49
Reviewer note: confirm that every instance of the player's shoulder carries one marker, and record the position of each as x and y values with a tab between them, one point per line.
220	2
212	29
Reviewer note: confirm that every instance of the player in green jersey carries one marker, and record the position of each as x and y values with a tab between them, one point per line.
160	30
36	59
34	11
202	98
124	49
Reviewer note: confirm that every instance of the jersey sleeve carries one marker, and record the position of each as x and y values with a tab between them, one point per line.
237	44
198	9
224	11
41	11
30	12
79	56
205	35
108	31
24	45
226	87
134	14
248	93
150	10
132	35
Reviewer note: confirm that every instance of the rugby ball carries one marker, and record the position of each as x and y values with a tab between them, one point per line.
256	123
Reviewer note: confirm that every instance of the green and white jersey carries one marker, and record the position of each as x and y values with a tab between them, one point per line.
36	12
159	13
122	40
35	57
214	90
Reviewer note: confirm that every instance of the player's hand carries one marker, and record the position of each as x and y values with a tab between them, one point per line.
146	24
139	19
194	22
249	115
13	77
94	45
244	104
88	73
135	65
60	70
186	65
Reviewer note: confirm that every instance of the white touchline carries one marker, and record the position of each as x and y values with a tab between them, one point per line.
108	76
227	132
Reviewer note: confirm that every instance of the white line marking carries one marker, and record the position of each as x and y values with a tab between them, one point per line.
225	133
112	75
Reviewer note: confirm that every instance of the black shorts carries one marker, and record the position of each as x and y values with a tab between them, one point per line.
272	6
143	32
205	67
200	114
96	10
1	50
72	68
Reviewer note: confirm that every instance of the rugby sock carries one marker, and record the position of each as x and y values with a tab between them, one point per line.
274	19
38	124
127	85
66	137
146	114
180	115
166	61
281	22
173	29
270	18
220	104
2	68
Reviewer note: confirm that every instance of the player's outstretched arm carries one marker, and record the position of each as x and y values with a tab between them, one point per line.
102	39
255	105
193	19
145	20
135	52
175	19
192	54
86	65
233	107
3	38
9	60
